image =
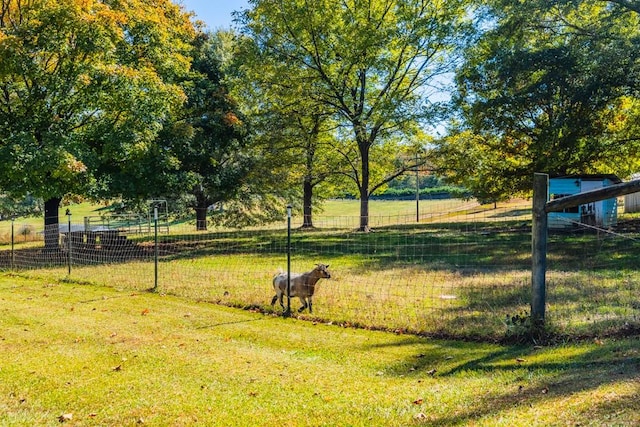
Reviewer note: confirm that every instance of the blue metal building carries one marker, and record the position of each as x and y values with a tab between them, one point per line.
603	213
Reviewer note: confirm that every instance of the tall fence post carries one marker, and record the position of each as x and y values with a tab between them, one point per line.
155	248
539	248
288	312
68	213
13	253
417	190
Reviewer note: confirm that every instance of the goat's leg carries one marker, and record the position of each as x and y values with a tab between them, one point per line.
304	304
274	299
282	302
310	305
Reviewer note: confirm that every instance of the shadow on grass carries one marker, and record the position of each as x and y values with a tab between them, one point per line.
583	368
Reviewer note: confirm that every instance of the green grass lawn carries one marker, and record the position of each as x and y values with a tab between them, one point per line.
82	355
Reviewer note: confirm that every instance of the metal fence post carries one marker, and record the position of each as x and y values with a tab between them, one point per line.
155	248
539	248
13	253
288	312
68	213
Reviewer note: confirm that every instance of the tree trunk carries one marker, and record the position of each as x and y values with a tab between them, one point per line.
51	224
364	212
201	213
364	188
307	211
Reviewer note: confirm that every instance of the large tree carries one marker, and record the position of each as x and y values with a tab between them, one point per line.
371	62
83	88
212	153
289	124
550	87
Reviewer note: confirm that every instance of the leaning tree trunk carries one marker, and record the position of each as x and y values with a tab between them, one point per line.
307	211
51	223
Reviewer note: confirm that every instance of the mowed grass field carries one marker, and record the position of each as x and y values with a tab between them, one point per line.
340	212
79	355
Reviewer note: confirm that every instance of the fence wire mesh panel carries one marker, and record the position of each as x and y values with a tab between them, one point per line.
463	270
593	278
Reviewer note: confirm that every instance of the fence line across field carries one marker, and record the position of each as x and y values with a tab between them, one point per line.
458	272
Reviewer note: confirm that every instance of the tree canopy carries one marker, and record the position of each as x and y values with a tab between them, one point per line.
549	87
211	149
372	63
83	88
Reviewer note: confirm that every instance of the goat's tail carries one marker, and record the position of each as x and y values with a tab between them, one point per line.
275	276
280	272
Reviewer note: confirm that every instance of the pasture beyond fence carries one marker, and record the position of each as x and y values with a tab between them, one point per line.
463	270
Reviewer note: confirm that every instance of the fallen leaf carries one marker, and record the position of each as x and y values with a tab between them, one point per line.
117	368
519	360
418	401
145	311
432	372
420	417
545	390
65	417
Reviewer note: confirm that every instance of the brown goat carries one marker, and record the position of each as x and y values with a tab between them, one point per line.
302	285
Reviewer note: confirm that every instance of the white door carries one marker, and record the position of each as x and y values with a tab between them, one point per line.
592	213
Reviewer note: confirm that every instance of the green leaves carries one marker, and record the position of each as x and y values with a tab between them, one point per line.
546	82
83	84
368	65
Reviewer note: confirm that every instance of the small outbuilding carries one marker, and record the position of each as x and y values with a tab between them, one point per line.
632	201
603	213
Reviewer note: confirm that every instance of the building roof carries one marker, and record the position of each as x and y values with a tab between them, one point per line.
590	177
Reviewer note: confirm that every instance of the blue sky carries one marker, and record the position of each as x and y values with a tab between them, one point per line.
215	13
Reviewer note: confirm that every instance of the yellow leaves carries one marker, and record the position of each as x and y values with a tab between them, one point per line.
68	167
626	110
230	119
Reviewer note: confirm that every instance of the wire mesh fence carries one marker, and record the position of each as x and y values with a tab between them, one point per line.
462	270
593	281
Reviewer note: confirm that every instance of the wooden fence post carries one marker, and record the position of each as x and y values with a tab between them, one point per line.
539	248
